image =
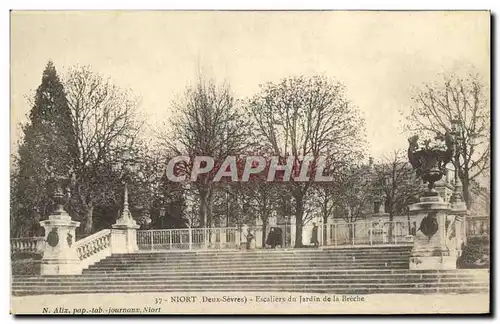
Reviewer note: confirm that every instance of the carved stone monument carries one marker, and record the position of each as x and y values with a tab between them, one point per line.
123	233
60	257
432	247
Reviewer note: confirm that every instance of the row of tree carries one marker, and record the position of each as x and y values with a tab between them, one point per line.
79	125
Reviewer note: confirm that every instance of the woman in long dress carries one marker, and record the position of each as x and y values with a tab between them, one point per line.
314	236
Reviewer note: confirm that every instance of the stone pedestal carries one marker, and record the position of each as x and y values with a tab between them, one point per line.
459	209
293	231
59	256
432	250
124	236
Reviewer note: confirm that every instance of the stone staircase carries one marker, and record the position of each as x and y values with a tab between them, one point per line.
359	270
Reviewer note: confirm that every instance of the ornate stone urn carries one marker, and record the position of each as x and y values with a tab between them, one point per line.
431	248
59	256
430	160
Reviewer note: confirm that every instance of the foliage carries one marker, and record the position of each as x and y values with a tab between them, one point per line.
306	117
476	253
47	150
207	123
395	182
104	119
354	195
457	99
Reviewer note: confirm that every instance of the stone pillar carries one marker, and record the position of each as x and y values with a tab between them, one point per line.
459	209
243	235
237	238
123	232
222	238
431	249
292	231
326	239
258	233
321	231
60	256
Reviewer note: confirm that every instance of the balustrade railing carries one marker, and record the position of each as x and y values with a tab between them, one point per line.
94	248
188	238
477	226
27	244
366	233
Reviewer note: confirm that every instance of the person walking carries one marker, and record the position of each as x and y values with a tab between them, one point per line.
314	236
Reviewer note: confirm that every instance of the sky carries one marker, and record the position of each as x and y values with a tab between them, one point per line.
379	56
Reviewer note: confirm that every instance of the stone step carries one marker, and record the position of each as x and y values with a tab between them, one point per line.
263	260
266	288
256	262
147	270
172	270
328	271
318	259
222	281
271	260
258	254
376	250
243	275
279	250
260	285
234	264
266	257
362	272
173	255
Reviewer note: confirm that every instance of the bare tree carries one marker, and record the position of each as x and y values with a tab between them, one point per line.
354	192
208	123
306	117
395	181
464	102
104	120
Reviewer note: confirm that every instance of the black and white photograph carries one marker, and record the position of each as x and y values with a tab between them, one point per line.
250	162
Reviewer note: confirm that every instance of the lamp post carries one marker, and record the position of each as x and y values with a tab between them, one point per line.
126	165
458	205
456	129
162	216
457	132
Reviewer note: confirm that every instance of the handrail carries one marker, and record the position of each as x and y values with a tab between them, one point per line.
188	238
94	248
187	229
92	237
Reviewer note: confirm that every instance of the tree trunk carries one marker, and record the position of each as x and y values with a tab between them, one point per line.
88	221
209	210
463	175
204	197
465	192
264	231
299	213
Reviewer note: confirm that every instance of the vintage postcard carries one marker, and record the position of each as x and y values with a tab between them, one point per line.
250	162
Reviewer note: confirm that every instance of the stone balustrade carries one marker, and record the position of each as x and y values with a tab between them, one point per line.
27	244
94	248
